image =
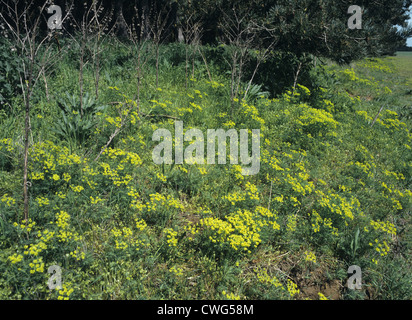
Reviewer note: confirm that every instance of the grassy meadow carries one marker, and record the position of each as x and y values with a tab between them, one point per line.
333	190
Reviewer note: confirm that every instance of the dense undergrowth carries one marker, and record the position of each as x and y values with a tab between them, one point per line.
333	188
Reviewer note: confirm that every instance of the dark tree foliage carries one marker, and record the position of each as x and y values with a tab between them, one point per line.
317	27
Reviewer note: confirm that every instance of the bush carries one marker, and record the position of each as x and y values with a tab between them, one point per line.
10	70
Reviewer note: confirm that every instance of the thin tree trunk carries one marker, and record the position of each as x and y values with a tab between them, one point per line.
97	77
157	62
82	49
46	86
26	156
186	66
205	62
295	82
97	50
27	96
376	118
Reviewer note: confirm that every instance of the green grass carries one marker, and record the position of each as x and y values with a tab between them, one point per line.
403	63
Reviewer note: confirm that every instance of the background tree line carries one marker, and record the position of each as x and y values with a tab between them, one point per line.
316	27
282	37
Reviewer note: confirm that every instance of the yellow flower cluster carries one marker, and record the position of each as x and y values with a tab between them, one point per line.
394	124
61	195
8	143
177	271
202	170
303	89
215	84
322	296
274	163
46	235
317	220
220	229
339	204
252	191
37	265
65	292
230	296
376	64
196	106
157	199
330	107
36	176
240	230
66	177
34	249
292	222
115	121
50	156
122	237
77	188
382	248
114	175
191	229
134	117
92	184
365	167
247	230
397	176
237	170
264	278
318	117
95	200
132	192
350	74
25	226
171	237
161	177
140	224
15	258
126	156
42	201
297	186
396	204
229	124
251	112
234	197
290	171
63	219
77	254
387	226
65	233
310	256
292	288
364	114
125	238
269	218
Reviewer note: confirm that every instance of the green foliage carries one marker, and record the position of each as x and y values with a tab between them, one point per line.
77	119
10	68
333	190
